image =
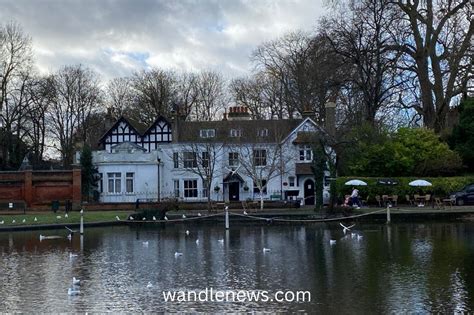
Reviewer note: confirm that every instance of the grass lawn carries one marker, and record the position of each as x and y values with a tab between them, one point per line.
53	218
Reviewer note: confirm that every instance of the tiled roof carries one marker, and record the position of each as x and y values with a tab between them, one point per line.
251	131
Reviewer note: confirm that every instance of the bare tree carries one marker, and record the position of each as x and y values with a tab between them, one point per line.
437	54
156	92
74	98
359	32
201	159
15	57
120	97
211	96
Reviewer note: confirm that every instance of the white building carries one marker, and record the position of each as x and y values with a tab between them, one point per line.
239	155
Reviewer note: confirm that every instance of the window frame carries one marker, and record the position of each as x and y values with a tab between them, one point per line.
190	191
116	179
259	159
129	178
233	161
189	159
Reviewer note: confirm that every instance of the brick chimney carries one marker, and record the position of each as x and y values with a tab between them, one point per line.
238	113
330	120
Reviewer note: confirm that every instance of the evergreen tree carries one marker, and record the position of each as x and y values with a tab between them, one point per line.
89	173
462	139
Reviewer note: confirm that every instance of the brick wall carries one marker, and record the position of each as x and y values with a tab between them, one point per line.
38	189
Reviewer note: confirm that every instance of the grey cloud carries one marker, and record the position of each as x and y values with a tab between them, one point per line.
183	35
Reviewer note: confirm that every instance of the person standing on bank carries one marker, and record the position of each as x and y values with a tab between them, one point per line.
355	198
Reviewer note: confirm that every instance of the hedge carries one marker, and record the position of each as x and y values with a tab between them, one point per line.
442	187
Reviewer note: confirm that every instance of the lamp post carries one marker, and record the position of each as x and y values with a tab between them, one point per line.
158	161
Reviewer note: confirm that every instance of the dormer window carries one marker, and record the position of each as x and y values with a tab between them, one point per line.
236	133
262	133
207	133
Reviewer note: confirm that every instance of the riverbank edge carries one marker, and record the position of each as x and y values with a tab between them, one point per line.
280	217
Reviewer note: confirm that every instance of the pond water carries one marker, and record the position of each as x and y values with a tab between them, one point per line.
405	267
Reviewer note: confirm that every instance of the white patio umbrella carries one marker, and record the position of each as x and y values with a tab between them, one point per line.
356	182
420	183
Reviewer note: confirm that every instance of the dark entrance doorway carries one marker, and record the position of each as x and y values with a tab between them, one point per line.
234	189
309	192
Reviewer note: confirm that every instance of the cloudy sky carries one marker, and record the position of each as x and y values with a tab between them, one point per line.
116	37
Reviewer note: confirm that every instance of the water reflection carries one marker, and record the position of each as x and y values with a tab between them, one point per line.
398	268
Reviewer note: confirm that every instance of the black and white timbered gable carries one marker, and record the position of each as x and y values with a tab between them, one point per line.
159	131
125	131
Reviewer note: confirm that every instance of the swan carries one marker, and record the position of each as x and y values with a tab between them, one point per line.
149	285
187	232
24	220
13	221
184	217
197	242
177	254
199	214
346	229
131	218
154	218
117	218
143	219
36	219
332	242
76	281
66	216
166	218
71	291
245	212
266	250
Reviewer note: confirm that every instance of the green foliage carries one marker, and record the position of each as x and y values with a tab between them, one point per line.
88	172
408	152
318	168
442	187
462	139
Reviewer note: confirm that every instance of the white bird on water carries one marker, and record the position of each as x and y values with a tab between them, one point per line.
131	218
66	216
76	281
166	218
177	254
346	229
24	220
266	250
117	217
149	285
13	221
199	214
143	219
332	242
72	291
187	232
184	217
145	244
154	218
245	212
197	242
36	219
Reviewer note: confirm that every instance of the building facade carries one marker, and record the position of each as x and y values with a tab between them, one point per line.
236	159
